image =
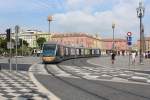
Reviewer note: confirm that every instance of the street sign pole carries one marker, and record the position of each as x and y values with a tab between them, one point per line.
10	55
129	42
129	56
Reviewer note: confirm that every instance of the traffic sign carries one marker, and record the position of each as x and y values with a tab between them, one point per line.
129	33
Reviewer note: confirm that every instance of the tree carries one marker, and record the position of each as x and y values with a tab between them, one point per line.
1	49
3	44
1	39
40	41
25	43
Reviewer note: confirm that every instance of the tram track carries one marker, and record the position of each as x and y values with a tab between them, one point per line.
73	85
100	84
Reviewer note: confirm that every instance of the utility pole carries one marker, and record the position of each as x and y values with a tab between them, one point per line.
16	32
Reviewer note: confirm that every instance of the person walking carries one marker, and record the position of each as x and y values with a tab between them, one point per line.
133	55
113	57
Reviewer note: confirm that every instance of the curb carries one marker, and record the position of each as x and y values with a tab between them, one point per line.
49	94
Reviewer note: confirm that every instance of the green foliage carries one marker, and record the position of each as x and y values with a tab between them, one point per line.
40	41
25	43
4	50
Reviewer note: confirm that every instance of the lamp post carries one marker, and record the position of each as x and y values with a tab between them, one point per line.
113	27
140	14
49	19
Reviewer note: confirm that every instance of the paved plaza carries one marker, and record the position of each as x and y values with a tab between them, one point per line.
18	86
121	62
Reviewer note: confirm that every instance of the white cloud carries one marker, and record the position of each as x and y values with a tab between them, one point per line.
86	15
123	13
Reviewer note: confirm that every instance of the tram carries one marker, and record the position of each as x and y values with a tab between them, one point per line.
56	52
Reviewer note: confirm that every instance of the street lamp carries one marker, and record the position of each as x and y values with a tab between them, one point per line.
113	27
49	19
140	14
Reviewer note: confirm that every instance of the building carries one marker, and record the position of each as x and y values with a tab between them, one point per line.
3	35
78	39
120	45
32	35
146	46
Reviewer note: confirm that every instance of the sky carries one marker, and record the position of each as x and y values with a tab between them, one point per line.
87	16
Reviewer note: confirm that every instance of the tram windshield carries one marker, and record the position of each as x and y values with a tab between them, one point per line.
49	49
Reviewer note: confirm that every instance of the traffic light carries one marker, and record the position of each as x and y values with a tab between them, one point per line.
8	32
129	40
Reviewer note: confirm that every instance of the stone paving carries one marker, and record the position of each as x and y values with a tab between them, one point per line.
18	86
121	62
100	73
126	69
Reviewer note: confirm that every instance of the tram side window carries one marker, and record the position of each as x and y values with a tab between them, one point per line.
77	51
61	50
58	52
97	51
93	51
66	51
82	51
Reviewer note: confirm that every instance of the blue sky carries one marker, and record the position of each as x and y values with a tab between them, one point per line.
91	16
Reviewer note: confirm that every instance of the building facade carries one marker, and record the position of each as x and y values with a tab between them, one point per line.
78	40
146	45
32	35
120	46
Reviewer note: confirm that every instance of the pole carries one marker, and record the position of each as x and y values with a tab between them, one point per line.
141	55
16	31
113	38
36	44
22	47
10	54
129	56
16	55
96	40
113	27
49	27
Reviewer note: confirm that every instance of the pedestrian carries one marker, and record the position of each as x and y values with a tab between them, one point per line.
133	55
113	57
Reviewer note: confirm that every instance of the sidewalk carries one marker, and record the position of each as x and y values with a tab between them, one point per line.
121	62
136	72
18	86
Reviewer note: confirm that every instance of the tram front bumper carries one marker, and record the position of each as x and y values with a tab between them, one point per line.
48	59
